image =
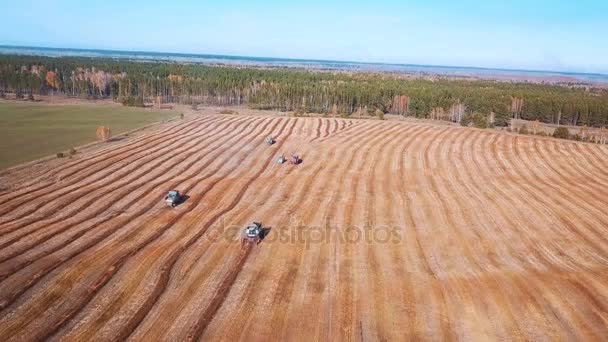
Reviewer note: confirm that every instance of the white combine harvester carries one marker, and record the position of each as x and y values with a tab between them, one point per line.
172	198
252	233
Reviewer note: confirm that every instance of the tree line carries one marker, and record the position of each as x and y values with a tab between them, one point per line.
338	93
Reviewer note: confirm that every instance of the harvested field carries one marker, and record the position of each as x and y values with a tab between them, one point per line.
387	230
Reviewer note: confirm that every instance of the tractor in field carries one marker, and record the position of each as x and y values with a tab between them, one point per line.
252	233
270	140
282	159
172	198
295	159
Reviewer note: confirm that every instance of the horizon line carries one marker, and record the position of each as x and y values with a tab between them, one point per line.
291	59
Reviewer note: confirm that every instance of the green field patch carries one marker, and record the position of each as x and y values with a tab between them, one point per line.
29	131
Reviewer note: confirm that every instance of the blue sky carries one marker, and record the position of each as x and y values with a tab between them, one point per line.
533	34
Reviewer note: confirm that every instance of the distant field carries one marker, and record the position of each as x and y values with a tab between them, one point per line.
29	131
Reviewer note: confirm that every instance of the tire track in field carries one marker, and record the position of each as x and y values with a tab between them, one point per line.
566	222
346	321
507	204
581	203
332	259
300	278
568	307
593	208
596	155
488	222
206	164
314	283
322	139
31	282
445	324
449	193
368	327
149	188
536	213
519	165
498	202
383	319
63	189
370	258
407	203
561	184
335	126
439	194
290	280
326	127
63	192
492	217
598	178
586	288
573	169
317	130
458	152
445	193
579	166
220	295
542	297
398	212
523	165
320	128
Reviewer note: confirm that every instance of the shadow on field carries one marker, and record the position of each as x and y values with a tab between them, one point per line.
182	199
264	233
117	139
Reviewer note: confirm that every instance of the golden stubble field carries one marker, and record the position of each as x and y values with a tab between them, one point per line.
387	230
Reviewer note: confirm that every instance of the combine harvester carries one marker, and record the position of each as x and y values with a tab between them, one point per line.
294	159
252	233
172	198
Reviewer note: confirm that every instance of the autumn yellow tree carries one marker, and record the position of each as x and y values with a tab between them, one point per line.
103	133
53	80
